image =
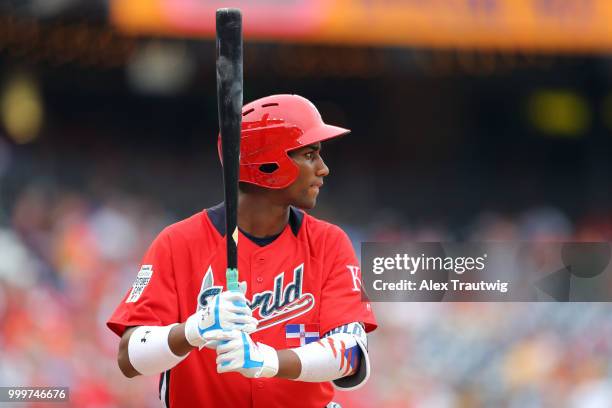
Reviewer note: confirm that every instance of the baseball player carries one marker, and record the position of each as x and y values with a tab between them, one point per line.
297	327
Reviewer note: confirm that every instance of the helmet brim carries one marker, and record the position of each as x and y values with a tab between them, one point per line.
321	134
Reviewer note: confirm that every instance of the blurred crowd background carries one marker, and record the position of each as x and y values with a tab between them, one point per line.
108	135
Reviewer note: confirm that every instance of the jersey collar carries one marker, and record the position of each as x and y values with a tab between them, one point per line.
216	215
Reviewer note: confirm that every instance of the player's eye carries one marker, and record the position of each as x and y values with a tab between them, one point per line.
310	155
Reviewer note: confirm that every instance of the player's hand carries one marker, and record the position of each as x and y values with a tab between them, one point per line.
225	311
238	353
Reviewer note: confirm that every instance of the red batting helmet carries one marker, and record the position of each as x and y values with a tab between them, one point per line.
272	127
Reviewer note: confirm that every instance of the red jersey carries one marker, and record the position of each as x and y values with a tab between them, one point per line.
308	275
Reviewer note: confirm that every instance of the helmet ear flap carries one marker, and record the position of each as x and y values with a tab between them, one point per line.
282	179
274	179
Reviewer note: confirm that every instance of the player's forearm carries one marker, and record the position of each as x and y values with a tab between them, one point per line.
328	359
123	359
321	360
150	350
178	341
289	365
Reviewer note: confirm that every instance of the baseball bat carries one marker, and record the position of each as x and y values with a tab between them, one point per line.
229	101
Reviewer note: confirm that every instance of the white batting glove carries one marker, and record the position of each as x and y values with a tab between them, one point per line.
238	353
225	311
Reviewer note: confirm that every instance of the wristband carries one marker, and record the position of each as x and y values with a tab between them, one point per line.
149	351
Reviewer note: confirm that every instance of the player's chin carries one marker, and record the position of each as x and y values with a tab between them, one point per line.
308	203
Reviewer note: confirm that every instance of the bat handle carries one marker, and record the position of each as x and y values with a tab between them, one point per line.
231	276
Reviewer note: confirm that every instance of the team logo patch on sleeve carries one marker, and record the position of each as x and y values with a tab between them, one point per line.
141	282
297	335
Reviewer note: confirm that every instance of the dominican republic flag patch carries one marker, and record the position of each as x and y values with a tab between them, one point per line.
298	335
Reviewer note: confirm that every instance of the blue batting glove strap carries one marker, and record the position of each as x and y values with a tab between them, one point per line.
239	353
224	312
247	345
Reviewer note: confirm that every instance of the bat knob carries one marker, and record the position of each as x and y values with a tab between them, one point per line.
228	16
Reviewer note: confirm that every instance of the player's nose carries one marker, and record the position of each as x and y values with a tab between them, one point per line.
322	169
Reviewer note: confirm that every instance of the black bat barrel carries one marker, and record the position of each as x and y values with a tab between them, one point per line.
229	95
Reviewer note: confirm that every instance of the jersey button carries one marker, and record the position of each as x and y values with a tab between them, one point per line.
259	279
